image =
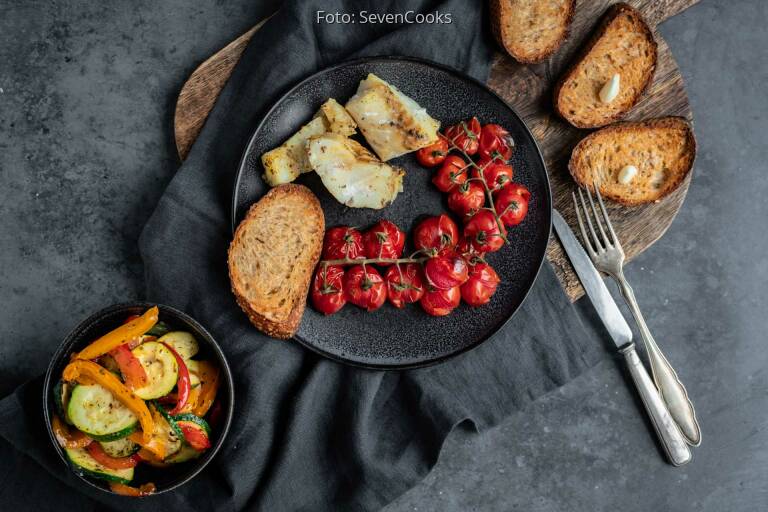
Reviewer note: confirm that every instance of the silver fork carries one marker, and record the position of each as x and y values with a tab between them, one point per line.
608	257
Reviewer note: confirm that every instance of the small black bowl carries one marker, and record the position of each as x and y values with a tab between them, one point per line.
165	479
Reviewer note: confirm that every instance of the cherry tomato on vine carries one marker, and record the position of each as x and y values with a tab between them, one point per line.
436	235
384	240
440	302
481	285
328	289
434	154
495	143
466	250
512	204
342	242
465	135
466	199
497	175
483	232
446	271
364	287
453	172
404	284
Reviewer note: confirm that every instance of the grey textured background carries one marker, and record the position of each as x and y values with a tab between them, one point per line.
87	91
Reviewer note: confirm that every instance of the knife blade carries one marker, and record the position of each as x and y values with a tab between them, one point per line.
593	284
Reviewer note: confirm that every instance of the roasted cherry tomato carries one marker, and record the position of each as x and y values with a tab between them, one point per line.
512	204
384	240
481	285
440	302
483	232
342	242
433	155
99	455
495	143
453	172
404	284
466	250
435	235
466	199
328	289
465	135
446	271
364	287
497	175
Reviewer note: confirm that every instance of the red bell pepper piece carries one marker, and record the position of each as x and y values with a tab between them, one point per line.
99	455
130	367
195	437
183	384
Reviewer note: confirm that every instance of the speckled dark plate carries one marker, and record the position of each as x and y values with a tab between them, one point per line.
101	322
390	338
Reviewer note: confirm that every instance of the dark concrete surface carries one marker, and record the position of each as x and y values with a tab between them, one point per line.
87	91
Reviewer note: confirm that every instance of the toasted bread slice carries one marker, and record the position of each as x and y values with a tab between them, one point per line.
662	150
622	45
531	30
272	257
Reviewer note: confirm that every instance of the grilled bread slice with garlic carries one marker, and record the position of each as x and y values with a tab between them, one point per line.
288	161
635	163
391	122
531	30
272	256
352	174
610	75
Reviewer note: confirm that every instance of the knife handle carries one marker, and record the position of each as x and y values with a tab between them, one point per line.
671	438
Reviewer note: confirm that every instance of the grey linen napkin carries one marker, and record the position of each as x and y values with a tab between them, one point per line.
308	433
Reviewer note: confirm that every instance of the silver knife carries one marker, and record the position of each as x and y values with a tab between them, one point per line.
671	438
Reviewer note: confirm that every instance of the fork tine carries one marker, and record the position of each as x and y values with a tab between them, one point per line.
606	242
595	241
587	242
615	239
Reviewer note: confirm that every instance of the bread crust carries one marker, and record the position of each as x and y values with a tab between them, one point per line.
499	12
611	13
284	329
584	175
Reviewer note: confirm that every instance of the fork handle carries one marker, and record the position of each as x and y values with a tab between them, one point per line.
672	390
669	434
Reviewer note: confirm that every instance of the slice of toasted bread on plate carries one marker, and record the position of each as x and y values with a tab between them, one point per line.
611	73
531	30
272	257
635	163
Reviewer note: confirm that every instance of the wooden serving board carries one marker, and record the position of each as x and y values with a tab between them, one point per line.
528	89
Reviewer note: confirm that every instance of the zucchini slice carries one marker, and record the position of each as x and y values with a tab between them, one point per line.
87	466
186	453
95	411
193	421
160	365
182	342
157	330
120	447
194	370
61	393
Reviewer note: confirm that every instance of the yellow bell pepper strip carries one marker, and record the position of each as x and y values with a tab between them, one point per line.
67	438
194	396
209	385
156	443
88	371
136	492
121	335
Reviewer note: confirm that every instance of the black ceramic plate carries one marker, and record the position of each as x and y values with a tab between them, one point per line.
390	338
99	323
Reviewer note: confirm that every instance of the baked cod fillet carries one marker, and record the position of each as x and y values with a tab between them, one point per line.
286	162
352	174
391	122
